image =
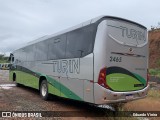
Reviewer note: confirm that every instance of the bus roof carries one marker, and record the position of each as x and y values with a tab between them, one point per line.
91	21
67	30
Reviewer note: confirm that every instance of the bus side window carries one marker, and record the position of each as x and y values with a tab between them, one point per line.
41	50
57	46
74	41
30	52
80	42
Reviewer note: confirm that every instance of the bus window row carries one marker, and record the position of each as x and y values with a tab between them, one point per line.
74	44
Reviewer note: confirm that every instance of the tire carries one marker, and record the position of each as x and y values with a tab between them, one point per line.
14	80
44	90
18	85
14	77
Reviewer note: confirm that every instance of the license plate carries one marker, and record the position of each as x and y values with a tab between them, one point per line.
129	97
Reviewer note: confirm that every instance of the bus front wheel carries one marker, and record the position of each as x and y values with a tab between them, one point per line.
14	77
44	90
14	80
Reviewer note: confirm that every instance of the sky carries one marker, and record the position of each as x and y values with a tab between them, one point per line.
22	21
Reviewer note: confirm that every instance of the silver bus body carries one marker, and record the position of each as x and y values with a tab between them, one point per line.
101	61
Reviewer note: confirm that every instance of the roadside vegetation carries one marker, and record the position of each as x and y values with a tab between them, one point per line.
3	58
154	72
154	93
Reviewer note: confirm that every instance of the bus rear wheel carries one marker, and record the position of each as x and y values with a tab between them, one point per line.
44	90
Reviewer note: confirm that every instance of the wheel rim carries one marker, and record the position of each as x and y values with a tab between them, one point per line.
44	89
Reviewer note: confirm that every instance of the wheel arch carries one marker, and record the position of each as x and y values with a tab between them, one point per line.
41	78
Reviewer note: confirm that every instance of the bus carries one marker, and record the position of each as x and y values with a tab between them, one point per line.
101	61
4	66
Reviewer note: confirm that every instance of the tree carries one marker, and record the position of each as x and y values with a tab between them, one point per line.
1	56
3	59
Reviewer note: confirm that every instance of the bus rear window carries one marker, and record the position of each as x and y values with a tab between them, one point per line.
127	33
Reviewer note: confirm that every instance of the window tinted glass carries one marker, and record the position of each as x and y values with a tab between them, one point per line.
30	50
89	38
80	42
22	54
57	46
41	49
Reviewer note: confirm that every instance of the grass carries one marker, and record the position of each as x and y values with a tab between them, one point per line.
4	61
154	72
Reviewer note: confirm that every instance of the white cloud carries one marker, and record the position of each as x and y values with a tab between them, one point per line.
26	20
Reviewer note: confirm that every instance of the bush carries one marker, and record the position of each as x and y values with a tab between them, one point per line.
152	72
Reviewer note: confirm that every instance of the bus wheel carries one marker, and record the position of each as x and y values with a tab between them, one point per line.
44	90
14	77
14	80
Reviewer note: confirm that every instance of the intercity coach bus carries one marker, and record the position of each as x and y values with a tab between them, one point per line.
101	61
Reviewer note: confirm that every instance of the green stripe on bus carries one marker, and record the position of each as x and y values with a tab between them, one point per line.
141	79
65	92
32	80
27	79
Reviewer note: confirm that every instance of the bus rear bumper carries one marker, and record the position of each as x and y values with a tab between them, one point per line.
106	96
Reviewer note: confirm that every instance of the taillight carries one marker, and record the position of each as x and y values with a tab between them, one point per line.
102	78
